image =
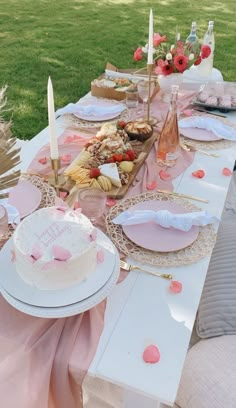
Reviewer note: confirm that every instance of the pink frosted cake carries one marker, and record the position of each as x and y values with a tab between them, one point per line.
55	248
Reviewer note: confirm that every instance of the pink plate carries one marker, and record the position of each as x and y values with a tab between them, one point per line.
25	197
156	238
199	134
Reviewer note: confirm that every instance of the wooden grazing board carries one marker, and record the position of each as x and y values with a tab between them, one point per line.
121	191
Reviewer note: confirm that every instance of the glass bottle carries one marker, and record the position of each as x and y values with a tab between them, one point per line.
205	68
168	146
192	37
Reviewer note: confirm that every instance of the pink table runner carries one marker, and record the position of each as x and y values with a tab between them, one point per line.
44	361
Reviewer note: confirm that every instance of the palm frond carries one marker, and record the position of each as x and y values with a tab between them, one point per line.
9	154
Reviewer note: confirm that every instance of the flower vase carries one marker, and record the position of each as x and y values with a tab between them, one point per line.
166	83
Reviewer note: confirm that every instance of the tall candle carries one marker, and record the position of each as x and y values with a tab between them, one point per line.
54	153
150	39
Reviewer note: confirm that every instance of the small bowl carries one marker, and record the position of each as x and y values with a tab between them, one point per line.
142	134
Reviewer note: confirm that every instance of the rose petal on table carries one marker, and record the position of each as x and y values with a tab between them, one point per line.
227	172
188	112
151	186
151	354
43	160
175	287
100	256
198	174
63	194
110	202
164	175
66	158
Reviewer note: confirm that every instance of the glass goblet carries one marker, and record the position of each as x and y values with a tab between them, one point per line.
143	90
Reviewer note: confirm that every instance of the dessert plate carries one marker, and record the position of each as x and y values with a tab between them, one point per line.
202	135
99	117
25	197
69	310
12	283
156	238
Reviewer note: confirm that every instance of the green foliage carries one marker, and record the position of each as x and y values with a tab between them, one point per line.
73	40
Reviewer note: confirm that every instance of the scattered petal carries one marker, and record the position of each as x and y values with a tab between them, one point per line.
151	186
110	202
198	174
227	172
13	256
63	194
151	354
164	175
188	112
66	158
100	256
175	287
60	253
43	160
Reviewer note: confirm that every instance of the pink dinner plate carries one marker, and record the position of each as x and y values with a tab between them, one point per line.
156	238
25	197
199	134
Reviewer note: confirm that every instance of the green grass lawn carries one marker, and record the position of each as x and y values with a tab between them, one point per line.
73	40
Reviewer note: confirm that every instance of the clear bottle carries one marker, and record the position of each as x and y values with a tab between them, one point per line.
205	68
168	147
192	37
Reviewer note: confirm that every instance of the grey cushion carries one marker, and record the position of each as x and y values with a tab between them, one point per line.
217	309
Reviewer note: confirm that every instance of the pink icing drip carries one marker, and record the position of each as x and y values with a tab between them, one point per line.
151	354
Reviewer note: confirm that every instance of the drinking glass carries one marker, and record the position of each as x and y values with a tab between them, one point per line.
92	201
3	220
143	86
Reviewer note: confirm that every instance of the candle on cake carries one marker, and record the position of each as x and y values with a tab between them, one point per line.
54	153
150	39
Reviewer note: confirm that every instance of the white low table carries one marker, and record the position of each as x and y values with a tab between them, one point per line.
140	311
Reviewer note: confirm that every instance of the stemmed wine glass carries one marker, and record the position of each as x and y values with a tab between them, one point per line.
143	89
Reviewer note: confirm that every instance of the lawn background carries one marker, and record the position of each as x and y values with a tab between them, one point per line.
72	41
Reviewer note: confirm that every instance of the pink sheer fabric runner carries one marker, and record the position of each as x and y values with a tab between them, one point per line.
44	361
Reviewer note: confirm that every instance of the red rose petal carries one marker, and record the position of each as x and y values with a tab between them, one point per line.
43	160
151	186
198	174
164	175
175	287
227	172
110	202
151	354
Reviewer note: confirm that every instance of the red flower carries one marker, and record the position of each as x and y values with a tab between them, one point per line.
138	54
158	39
181	62
198	61
167	69
205	51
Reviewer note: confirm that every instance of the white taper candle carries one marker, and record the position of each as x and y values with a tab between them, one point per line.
54	153
150	39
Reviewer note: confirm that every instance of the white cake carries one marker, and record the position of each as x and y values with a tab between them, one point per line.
55	248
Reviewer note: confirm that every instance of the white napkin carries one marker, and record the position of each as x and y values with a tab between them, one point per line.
214	125
92	110
12	212
165	219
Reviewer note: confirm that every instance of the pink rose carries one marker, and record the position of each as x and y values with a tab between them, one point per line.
138	54
158	39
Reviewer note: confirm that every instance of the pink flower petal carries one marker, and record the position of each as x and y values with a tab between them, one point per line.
110	202
227	172
68	139
151	354
66	158
30	258
164	175
151	186
100	256
13	256
63	194
198	174
36	252
60	253
188	112
93	235
175	287
43	160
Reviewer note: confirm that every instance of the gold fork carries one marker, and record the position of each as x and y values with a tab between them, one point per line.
128	267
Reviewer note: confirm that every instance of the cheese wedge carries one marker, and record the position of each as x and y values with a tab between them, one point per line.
110	170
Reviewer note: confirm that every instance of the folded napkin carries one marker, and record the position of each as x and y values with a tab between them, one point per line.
92	110
214	125
165	219
12	212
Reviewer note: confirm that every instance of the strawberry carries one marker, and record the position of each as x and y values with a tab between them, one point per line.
125	157
94	172
121	124
131	154
118	157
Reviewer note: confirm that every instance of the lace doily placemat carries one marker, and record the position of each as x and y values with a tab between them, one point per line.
48	199
194	252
